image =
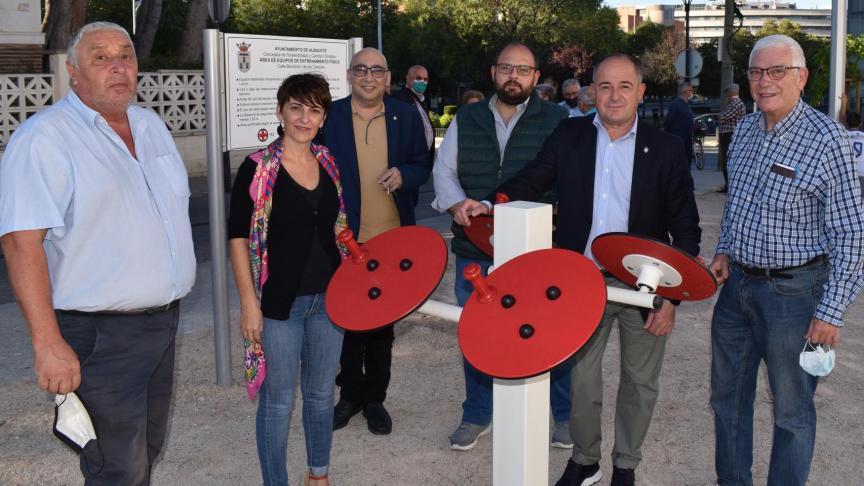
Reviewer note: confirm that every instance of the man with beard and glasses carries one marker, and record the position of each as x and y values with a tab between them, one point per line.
486	143
94	223
570	92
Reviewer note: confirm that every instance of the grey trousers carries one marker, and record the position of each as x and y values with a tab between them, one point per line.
641	362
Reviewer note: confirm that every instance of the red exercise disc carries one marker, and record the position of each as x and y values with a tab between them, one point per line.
697	282
409	263
480	233
536	332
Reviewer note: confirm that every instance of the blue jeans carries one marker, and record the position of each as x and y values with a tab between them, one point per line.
755	319
477	407
307	341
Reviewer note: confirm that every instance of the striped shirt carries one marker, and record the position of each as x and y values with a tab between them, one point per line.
792	197
731	115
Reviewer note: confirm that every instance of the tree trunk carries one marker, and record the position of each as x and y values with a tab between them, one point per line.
62	19
147	22
196	20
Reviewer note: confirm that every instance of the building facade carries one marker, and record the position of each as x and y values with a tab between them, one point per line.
21	36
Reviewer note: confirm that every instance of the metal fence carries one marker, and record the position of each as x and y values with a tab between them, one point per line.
177	96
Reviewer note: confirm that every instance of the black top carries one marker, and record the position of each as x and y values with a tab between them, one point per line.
300	240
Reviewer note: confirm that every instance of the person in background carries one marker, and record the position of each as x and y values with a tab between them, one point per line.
729	118
545	92
856	139
586	100
679	118
570	93
286	211
94	225
416	85
471	96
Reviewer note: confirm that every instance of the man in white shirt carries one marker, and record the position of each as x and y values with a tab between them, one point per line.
570	92
856	139
95	229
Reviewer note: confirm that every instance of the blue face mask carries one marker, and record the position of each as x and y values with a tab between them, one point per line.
816	361
419	86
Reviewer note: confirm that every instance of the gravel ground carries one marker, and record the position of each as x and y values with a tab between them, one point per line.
211	440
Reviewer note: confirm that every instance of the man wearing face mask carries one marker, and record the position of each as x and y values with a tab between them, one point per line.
570	92
414	93
485	144
790	254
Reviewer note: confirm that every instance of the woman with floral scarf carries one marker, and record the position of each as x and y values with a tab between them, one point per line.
286	210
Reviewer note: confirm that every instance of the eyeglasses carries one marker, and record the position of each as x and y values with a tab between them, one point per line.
522	69
361	70
774	72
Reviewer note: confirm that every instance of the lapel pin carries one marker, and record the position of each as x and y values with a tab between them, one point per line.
394	117
645	149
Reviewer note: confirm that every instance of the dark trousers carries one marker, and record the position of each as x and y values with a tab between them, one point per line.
127	371
724	139
365	364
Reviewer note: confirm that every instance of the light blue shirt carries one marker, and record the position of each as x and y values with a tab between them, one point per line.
574	111
118	235
613	179
445	173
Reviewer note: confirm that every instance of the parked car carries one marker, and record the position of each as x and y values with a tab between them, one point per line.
706	125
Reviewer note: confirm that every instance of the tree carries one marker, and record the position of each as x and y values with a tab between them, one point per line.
147	23
659	62
62	19
568	62
195	21
645	37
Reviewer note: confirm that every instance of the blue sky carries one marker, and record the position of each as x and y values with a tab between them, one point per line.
799	4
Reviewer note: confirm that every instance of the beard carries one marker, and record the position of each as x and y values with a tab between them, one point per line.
511	97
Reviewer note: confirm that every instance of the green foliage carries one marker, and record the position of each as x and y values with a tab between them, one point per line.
450	109
168	39
435	118
445	120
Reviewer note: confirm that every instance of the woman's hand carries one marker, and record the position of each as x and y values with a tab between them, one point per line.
251	322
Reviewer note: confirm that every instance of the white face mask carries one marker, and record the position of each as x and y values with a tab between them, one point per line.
816	361
72	423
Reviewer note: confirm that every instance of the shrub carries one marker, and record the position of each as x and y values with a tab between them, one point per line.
435	119
445	120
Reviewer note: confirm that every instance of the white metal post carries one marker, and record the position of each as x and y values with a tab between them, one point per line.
838	57
520	418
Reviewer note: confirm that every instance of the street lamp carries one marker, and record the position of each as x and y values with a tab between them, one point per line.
687	40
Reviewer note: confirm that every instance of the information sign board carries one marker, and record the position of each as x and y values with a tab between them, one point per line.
255	66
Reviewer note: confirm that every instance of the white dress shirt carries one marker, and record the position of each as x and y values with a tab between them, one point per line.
118	235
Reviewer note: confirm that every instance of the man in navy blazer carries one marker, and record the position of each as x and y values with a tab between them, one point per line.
613	173
380	149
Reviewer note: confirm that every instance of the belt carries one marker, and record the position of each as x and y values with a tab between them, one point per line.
134	312
779	272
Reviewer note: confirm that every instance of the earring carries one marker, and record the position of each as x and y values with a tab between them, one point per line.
279	130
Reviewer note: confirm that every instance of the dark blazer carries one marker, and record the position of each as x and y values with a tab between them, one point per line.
409	97
406	150
662	204
679	121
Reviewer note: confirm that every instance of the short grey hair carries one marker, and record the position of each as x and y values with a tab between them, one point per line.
570	82
779	40
72	47
585	95
683	86
733	88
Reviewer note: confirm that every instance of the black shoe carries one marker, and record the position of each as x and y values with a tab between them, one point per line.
378	419
343	411
580	475
623	477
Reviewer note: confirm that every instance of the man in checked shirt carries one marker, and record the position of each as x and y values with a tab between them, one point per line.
790	254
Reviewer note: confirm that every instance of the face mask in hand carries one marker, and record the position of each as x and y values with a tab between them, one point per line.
72	424
419	86
816	361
